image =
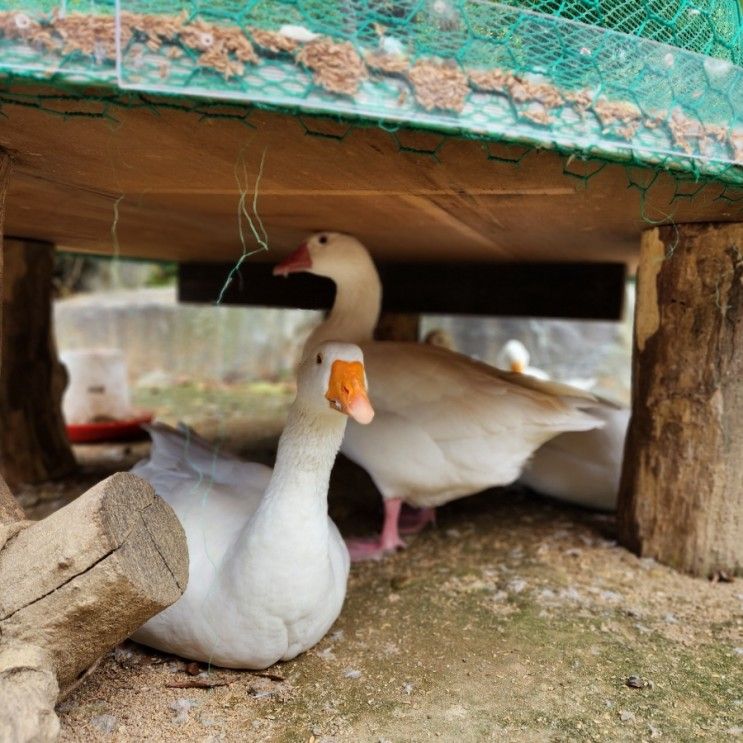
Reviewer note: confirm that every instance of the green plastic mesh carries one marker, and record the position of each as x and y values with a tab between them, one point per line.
647	82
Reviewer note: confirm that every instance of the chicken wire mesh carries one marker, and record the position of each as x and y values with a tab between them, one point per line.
648	82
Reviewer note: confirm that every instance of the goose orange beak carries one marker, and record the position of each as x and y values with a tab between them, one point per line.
299	260
518	367
347	390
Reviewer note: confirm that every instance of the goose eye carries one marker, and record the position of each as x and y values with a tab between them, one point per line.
318	358
322	239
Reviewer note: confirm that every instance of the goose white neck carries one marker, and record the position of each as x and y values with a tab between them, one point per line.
294	508
358	302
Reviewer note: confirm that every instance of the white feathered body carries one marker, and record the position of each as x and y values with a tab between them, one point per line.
583	467
447	426
268	568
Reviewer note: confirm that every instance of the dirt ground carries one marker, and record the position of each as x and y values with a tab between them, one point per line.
514	619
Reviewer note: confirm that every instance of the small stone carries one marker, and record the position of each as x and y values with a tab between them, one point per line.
352	673
722	576
105	723
407	687
634	682
654	732
670	618
517	585
626	716
738	651
182	707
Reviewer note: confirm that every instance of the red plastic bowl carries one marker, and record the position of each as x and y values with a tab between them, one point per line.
127	430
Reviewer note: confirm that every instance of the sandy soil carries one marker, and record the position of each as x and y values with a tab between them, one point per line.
515	619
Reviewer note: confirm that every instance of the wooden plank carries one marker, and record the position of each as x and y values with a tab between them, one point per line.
568	290
161	183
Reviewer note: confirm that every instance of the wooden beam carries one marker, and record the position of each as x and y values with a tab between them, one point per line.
589	291
681	497
161	184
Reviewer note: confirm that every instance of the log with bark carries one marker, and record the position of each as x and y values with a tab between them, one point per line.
681	498
73	586
33	440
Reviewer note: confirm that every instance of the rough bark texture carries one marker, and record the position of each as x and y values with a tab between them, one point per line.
33	441
87	576
10	509
397	326
29	690
681	497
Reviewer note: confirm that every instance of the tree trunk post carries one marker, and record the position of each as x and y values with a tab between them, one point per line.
681	496
33	440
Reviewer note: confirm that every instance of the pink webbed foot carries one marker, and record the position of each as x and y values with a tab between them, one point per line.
387	542
415	520
371	548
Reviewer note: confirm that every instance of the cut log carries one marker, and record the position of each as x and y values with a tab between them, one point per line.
681	497
77	583
29	690
86	577
33	440
398	326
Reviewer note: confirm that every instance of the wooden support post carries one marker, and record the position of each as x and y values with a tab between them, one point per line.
398	326
75	584
33	440
681	497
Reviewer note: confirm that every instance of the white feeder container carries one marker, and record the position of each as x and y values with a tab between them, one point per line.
98	389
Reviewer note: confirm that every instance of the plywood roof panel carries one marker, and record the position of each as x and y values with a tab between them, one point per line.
172	178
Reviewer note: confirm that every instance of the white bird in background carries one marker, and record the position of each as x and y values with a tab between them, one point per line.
582	467
515	357
446	426
267	566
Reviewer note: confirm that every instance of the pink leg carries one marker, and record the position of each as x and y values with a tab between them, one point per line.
388	541
414	520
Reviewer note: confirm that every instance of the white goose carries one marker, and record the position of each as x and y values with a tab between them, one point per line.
582	467
515	357
446	426
268	568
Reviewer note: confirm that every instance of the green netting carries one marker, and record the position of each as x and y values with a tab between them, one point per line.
647	82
